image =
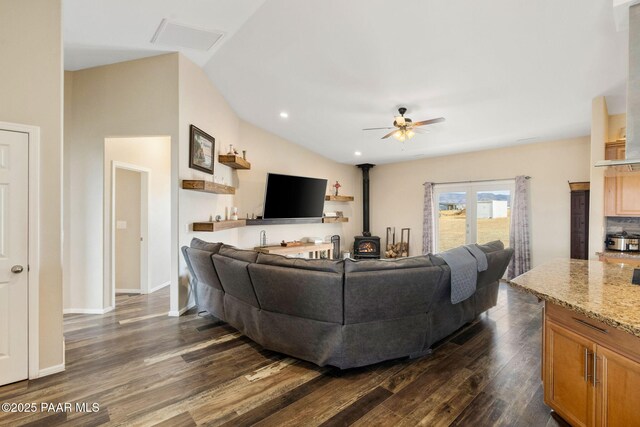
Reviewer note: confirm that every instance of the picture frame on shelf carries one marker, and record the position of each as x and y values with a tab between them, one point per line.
201	149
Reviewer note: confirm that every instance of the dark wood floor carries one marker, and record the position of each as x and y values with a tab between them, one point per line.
144	368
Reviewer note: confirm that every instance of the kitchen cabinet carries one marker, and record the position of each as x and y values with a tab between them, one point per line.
622	194
591	371
614	150
622	190
580	224
618	399
566	381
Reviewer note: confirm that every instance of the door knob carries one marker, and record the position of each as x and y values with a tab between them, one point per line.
17	269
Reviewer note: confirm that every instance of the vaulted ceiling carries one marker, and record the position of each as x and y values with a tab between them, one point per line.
502	72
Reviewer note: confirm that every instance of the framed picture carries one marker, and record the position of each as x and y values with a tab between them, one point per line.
201	148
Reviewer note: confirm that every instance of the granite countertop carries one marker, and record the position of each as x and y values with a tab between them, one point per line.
599	290
619	254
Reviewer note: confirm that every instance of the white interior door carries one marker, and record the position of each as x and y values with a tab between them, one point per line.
14	214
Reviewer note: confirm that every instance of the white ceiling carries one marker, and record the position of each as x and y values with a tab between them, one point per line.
99	32
501	72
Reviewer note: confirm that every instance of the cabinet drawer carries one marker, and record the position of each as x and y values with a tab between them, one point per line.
601	333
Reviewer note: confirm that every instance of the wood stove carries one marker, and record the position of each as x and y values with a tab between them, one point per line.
366	246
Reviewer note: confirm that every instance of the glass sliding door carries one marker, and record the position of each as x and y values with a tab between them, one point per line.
472	213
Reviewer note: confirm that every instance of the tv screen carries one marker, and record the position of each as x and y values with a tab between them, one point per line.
294	197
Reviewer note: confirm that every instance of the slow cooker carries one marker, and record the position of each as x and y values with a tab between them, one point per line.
623	242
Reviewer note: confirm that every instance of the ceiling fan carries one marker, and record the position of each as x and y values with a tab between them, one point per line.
404	128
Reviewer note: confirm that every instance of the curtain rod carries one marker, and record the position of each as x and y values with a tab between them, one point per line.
480	180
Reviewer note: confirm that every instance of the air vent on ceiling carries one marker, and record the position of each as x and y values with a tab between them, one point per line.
179	35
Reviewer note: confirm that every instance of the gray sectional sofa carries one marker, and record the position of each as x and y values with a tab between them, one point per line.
344	313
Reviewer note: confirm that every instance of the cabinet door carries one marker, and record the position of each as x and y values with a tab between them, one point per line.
567	377
618	389
609	196
628	193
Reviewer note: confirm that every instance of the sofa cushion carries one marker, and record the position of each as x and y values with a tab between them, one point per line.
205	246
390	293
487	248
234	276
298	292
352	266
334	266
498	263
239	254
493	246
201	266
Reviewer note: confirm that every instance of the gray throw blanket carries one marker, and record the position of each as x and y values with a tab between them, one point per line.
464	262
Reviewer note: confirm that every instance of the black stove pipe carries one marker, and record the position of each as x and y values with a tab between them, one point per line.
365	198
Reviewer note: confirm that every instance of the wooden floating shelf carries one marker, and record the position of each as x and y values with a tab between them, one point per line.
218	225
331	220
207	186
233	161
330	198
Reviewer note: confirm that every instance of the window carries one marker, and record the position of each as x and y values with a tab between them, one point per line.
476	212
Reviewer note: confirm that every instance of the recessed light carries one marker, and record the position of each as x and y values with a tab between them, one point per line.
284	114
358	153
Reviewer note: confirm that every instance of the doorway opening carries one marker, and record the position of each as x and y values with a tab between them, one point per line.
131	216
138	216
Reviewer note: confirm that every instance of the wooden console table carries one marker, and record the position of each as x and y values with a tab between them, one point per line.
313	249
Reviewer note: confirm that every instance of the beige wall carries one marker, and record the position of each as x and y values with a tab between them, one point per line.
31	94
135	98
128	212
202	105
599	135
616	121
153	153
397	192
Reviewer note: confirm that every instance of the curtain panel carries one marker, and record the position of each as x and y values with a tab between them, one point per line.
428	228
519	230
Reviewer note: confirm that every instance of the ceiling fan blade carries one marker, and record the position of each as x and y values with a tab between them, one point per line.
389	134
420	130
378	128
429	122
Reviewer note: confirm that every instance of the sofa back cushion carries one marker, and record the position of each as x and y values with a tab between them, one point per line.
389	289
234	277
239	254
328	265
311	293
201	266
498	262
214	248
497	259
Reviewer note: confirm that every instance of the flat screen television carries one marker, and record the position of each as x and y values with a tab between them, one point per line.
290	196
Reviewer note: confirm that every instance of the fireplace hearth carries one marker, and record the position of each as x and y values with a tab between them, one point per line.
366	246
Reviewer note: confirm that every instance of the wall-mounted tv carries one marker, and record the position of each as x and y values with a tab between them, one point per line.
294	197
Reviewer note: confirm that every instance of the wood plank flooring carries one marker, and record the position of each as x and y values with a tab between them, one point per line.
145	368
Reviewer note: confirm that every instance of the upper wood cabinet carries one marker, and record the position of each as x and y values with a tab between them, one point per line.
622	194
614	150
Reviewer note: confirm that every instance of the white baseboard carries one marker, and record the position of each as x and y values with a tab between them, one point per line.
87	310
128	291
51	370
157	288
181	311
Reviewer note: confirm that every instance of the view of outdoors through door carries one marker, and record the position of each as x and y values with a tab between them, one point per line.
472	213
